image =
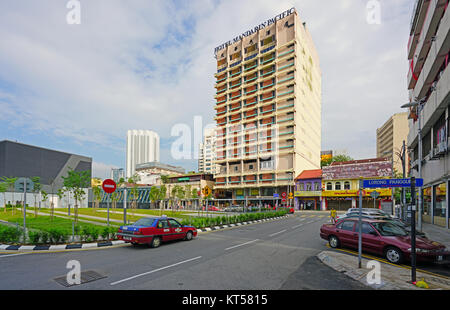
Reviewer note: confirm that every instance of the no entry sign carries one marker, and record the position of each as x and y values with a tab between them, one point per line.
109	186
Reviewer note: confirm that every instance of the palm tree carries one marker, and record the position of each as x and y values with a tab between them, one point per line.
162	195
97	192
154	194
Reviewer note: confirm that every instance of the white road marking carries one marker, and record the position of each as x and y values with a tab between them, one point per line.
12	255
277	233
156	270
293	227
235	246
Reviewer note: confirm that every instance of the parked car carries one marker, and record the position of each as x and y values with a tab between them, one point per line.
382	238
211	208
395	221
371	211
154	230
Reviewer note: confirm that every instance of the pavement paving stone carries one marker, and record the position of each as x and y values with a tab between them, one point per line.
392	277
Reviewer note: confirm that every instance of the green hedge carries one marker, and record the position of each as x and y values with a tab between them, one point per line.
202	222
10	234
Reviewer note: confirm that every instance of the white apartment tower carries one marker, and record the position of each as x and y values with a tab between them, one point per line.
207	153
142	147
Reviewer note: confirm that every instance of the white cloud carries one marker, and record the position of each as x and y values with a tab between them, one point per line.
101	170
136	64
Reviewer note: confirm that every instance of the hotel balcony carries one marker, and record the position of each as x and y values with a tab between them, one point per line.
431	66
430	24
248	58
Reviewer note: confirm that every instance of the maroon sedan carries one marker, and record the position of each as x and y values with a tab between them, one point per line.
382	238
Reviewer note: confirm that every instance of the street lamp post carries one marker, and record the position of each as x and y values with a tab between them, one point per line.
419	104
393	176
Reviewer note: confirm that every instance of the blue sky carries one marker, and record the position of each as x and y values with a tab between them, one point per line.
149	65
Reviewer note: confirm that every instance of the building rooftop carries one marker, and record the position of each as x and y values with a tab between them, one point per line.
155	164
310	174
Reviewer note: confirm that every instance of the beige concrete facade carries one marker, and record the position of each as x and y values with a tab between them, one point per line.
269	107
390	139
429	80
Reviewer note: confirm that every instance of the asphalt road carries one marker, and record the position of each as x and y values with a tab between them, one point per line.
266	256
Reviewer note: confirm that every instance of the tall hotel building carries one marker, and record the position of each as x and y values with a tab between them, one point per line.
429	79
142	147
268	105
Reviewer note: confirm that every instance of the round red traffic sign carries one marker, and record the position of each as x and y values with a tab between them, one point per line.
283	194
109	186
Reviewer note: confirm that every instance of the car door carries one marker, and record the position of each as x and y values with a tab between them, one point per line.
345	231
370	239
176	230
163	229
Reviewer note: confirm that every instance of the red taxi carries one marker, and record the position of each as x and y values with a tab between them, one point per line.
154	230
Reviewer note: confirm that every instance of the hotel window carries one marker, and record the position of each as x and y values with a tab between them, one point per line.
329	186
308	186
347	185
337	186
301	186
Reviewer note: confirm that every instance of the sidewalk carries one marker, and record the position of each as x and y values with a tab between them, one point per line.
392	277
437	233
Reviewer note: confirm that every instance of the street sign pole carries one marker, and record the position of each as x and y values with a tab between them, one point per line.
107	206
413	229
24	210
125	206
360	223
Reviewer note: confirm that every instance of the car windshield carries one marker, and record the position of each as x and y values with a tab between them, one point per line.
145	222
389	229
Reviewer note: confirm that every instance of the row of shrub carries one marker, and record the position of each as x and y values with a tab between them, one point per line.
10	234
57	235
201	222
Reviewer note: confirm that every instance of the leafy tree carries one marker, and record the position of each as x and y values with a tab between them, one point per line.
162	194
76	182
44	196
3	189
337	158
97	192
164	179
61	193
11	182
134	191
36	190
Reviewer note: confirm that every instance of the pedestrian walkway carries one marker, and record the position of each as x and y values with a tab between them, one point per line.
392	277
437	233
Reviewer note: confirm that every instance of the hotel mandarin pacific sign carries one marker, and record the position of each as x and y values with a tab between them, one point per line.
256	29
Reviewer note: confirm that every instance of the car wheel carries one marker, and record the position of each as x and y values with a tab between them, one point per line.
156	242
188	236
394	255
334	241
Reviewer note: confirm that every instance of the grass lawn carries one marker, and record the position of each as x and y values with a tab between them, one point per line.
43	223
117	214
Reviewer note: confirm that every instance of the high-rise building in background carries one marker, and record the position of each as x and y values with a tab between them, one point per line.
207	153
142	147
429	80
268	109
390	137
117	174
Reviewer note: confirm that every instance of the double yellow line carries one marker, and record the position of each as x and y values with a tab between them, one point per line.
387	262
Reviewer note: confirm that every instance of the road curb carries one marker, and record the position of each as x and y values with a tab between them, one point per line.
105	244
59	247
215	228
